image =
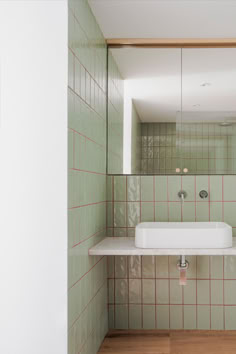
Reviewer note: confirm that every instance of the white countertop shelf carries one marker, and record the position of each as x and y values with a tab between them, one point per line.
125	246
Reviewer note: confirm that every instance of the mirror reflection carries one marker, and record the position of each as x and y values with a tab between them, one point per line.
176	112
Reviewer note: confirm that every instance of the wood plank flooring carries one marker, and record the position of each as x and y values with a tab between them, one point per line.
169	342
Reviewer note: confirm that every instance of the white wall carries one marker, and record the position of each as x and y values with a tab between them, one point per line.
33	177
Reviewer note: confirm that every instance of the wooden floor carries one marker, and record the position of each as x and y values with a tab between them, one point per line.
169	342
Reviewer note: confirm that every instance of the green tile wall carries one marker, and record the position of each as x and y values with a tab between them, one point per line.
143	292
87	277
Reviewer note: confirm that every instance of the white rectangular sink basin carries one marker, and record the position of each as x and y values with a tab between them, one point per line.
183	235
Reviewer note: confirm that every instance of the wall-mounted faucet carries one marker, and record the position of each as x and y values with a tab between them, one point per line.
203	194
182	195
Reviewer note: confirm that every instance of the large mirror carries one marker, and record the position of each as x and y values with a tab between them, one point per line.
171	111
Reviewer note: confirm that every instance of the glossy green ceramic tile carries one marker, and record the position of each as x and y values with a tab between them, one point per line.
119	214
216	267
148	295
203	263
176	317
230	318
149	317
190	317
162	291
111	290
147	211
230	292
215	188
135	320
229	188
188	184
162	316
148	267
188	211
229	267
203	317
134	264
121	291
121	266
134	291
160	188
217	317
216	292
133	213
202	211
174	186
203	292
216	211
147	190
121	317
175	292
161	266
175	211
229	213
190	292
161	211
134	185
119	188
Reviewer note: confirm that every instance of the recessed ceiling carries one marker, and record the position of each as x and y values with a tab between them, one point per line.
165	19
162	82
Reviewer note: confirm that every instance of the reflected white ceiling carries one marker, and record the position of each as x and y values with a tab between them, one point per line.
163	19
153	79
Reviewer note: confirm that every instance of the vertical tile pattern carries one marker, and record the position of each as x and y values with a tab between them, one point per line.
154	298
87	278
201	147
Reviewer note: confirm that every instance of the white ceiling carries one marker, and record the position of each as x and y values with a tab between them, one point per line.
166	18
153	80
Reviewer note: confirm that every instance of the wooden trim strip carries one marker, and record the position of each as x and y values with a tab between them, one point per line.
173	42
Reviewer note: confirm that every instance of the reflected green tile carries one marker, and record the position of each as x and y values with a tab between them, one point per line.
149	316
162	316
133	213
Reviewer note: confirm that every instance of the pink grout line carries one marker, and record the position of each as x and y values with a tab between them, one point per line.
88	304
85	205
85	273
86	137
86	171
86	239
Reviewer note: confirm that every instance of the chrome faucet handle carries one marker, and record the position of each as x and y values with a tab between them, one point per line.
182	195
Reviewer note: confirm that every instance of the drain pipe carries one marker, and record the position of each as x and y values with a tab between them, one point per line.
182	266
